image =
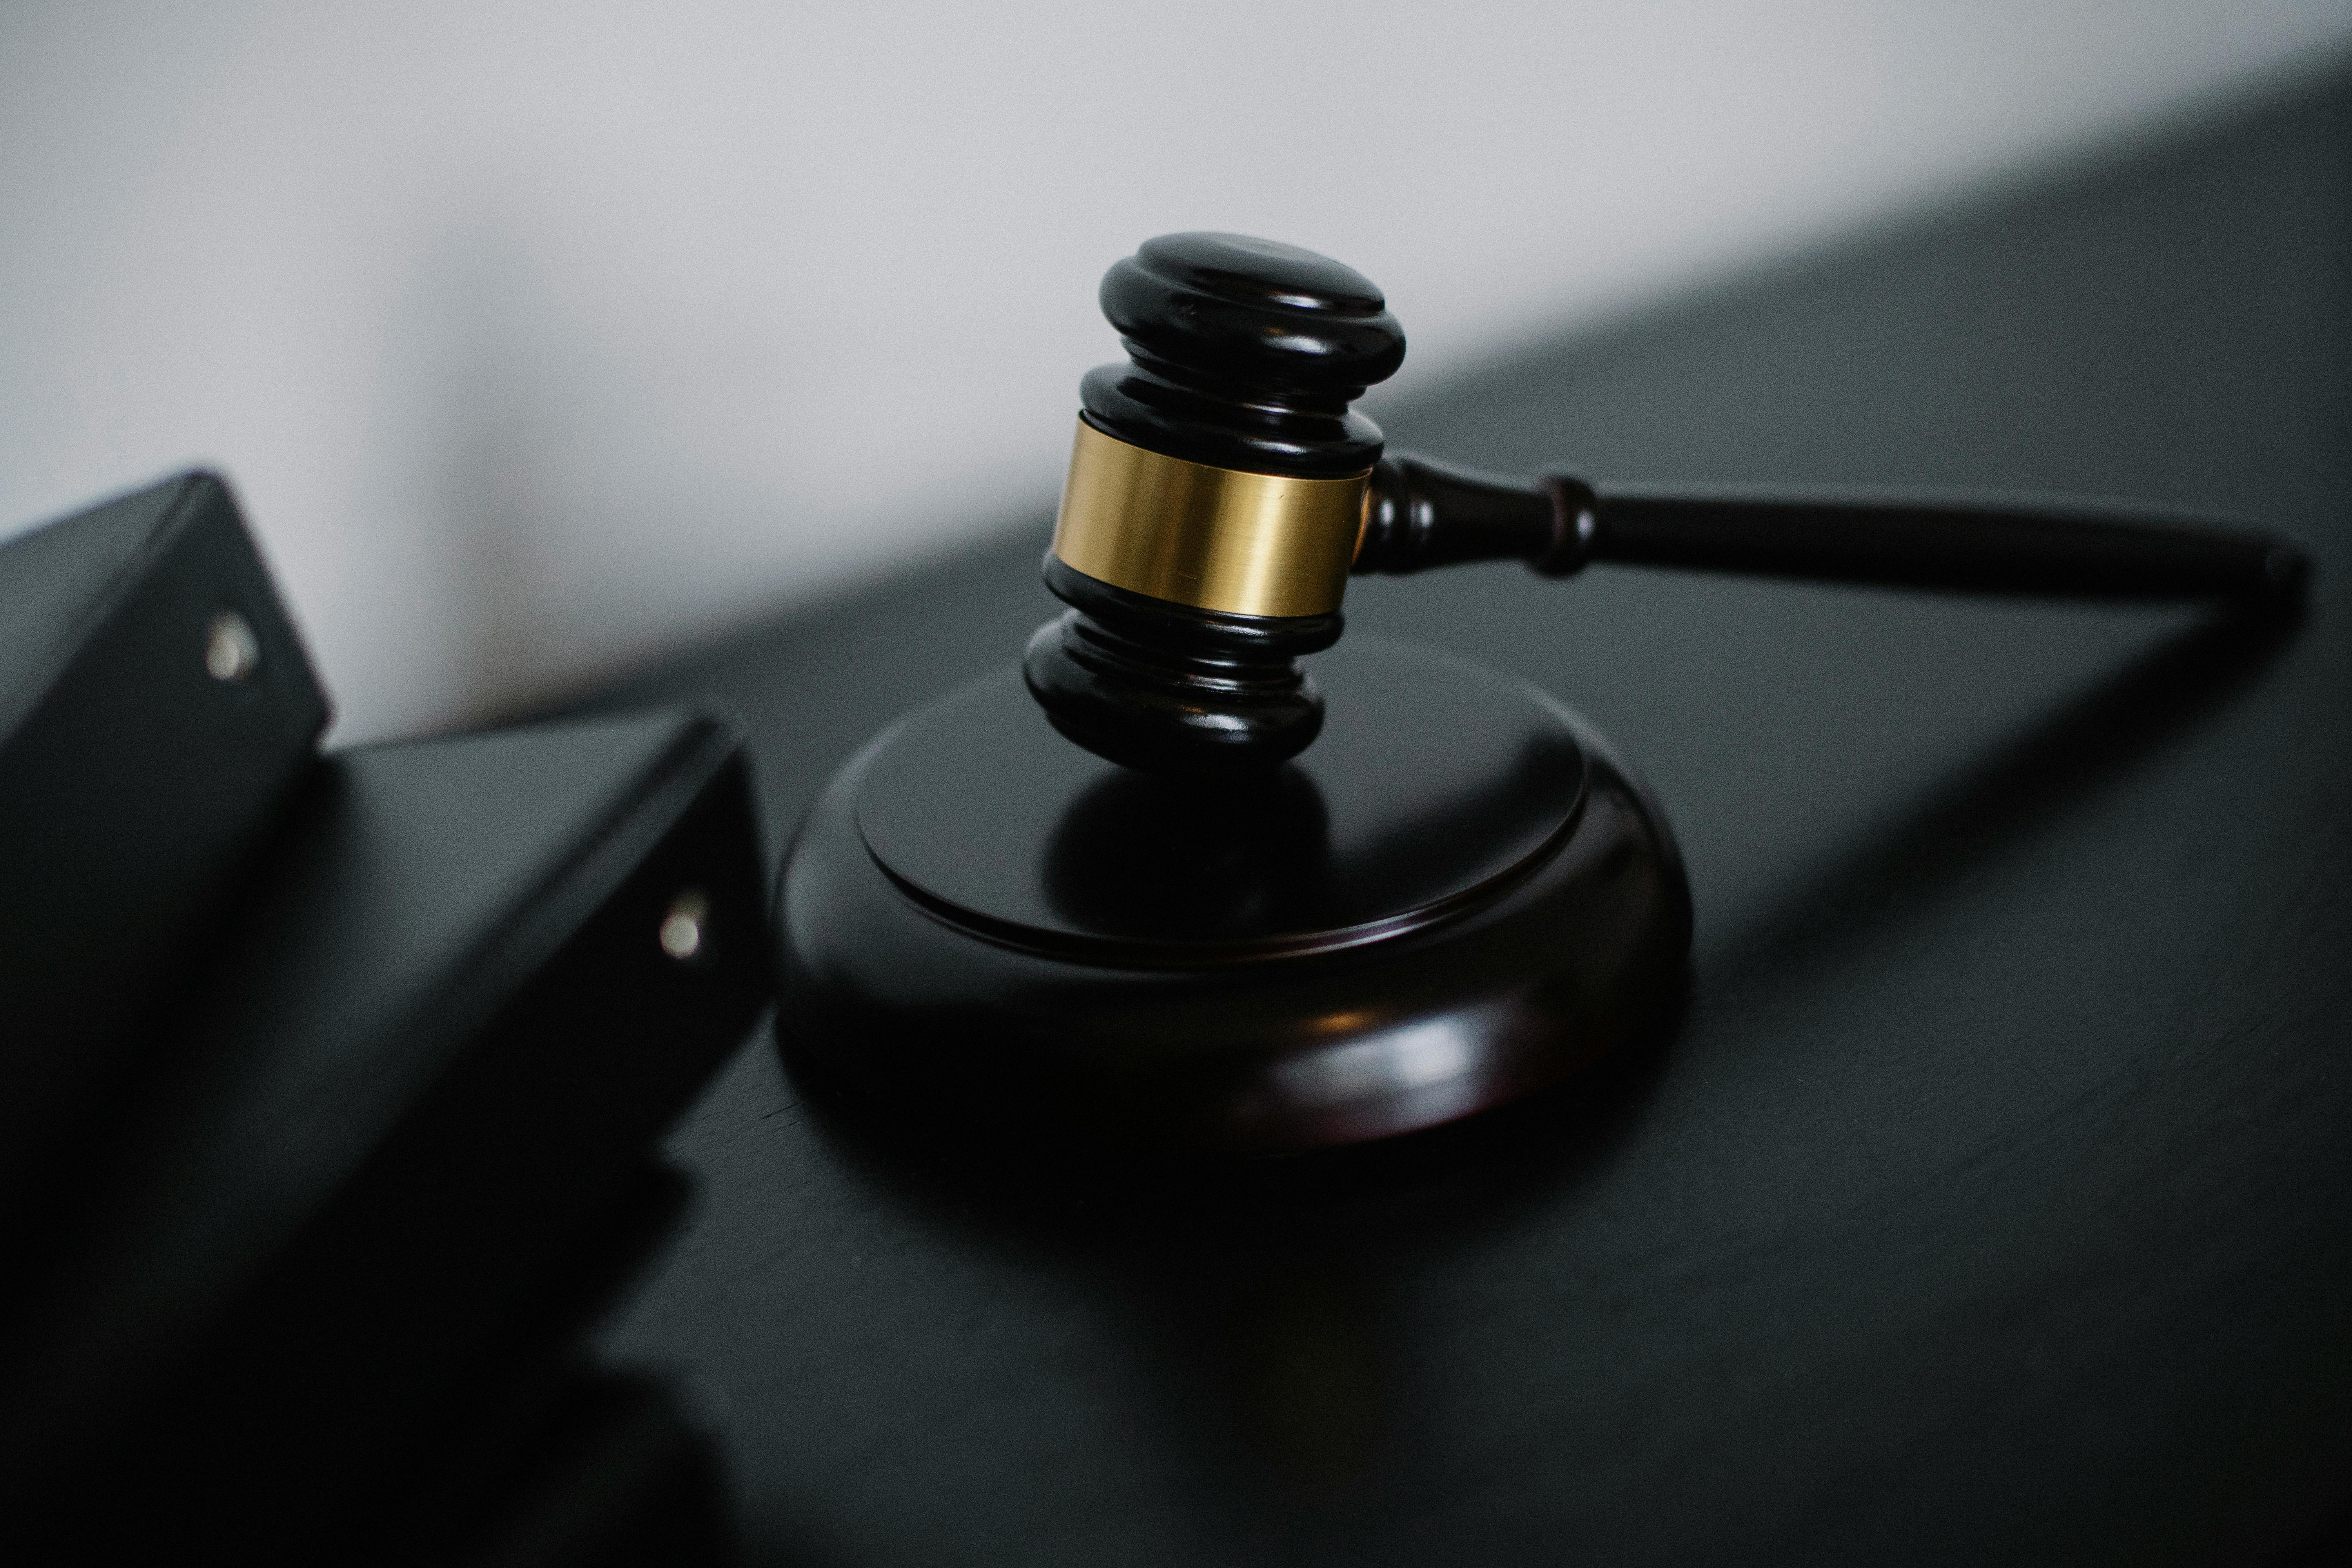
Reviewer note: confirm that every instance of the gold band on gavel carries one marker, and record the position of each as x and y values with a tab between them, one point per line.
1215	539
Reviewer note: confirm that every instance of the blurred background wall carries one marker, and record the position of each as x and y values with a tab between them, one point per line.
539	336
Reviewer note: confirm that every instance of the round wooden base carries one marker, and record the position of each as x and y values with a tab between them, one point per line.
1456	897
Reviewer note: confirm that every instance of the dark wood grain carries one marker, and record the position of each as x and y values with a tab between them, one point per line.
1994	1202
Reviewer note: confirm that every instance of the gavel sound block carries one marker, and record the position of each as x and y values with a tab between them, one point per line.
1162	888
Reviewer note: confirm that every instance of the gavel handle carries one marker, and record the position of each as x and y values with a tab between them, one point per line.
1423	514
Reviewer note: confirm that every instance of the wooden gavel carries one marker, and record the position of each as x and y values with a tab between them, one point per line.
1222	491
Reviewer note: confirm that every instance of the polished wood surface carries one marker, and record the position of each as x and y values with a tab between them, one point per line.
1422	514
1994	1202
1455	899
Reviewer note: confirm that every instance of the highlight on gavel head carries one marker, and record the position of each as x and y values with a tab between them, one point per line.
1215	500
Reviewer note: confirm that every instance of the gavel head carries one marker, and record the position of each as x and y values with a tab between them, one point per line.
1214	504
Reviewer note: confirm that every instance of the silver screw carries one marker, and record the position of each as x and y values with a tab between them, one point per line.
681	929
231	651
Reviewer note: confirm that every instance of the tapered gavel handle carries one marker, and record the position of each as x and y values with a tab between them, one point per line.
1423	514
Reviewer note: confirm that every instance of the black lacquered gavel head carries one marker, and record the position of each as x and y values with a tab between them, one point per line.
1215	500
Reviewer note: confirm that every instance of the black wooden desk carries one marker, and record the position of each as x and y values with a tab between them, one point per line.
1994	1202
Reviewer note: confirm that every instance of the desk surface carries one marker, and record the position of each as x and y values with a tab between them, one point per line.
1994	1201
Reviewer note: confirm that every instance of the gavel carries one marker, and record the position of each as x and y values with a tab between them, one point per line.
1222	490
1195	929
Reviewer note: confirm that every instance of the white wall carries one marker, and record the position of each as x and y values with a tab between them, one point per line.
536	336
